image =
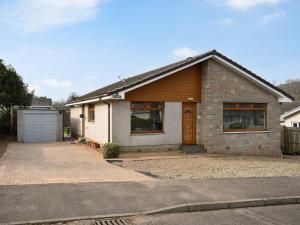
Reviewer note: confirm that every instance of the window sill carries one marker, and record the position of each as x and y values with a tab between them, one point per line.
246	132
147	133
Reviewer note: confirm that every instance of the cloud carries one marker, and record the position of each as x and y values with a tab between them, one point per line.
227	22
184	52
57	84
245	4
34	87
272	17
39	15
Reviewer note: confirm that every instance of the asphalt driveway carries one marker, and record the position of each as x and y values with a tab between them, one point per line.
42	163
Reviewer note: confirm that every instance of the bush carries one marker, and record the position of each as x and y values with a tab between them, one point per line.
110	150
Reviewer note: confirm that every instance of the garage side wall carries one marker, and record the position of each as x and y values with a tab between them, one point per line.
76	121
20	126
60	132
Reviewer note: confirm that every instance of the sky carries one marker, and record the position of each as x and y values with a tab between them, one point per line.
64	46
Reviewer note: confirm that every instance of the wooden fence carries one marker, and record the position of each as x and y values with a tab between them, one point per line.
290	140
8	123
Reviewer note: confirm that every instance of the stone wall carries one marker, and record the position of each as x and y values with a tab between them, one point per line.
220	84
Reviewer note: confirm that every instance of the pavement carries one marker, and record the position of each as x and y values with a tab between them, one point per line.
271	215
57	201
59	162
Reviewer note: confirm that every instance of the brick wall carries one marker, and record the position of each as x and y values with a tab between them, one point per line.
221	84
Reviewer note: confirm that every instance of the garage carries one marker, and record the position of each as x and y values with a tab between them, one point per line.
43	125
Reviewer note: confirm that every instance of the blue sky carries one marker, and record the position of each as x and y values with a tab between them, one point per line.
60	46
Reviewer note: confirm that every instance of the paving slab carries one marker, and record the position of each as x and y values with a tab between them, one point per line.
51	201
59	162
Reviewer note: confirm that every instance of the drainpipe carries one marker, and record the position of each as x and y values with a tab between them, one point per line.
108	116
82	121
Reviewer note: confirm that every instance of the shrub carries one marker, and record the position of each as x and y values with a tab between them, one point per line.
110	150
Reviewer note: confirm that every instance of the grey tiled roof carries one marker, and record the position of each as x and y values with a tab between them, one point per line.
288	106
138	79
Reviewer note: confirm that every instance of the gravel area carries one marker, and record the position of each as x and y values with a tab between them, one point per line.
216	167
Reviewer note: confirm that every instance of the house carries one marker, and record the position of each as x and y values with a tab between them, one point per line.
290	114
207	100
41	102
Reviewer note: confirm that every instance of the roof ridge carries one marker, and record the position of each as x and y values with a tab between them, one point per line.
183	61
145	76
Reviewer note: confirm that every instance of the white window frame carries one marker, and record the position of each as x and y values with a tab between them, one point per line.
297	124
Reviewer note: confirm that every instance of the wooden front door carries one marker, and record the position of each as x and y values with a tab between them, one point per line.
188	123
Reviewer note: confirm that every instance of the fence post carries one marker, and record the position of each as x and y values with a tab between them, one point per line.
293	141
287	139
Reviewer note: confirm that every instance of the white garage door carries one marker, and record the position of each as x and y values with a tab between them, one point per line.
40	127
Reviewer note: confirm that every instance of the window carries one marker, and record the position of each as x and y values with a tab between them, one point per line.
296	124
244	116
91	112
146	117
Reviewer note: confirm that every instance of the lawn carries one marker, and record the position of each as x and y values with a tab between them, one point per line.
216	167
67	132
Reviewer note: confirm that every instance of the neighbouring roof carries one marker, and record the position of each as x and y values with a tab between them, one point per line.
144	77
289	109
41	101
288	106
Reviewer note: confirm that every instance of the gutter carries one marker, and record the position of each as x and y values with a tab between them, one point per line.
108	116
83	102
289	113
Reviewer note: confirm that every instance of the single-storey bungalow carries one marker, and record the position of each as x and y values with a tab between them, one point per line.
290	116
207	100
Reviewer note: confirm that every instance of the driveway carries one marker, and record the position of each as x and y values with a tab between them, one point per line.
62	162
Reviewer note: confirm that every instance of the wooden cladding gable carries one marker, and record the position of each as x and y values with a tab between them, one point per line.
182	86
